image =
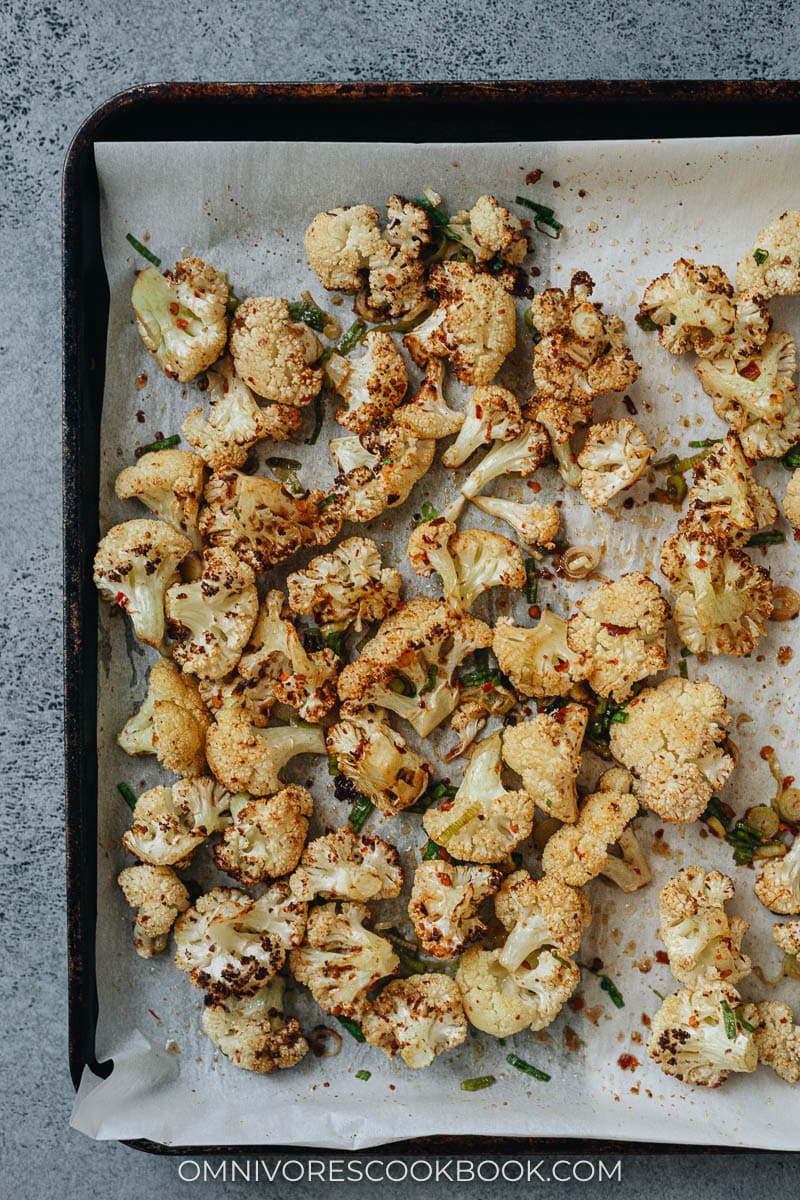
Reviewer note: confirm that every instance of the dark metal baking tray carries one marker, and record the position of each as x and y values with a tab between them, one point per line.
377	112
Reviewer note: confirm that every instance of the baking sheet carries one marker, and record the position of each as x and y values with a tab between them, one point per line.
629	209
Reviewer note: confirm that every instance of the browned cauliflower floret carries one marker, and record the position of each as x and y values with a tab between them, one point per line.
484	821
396	283
230	944
372	385
347	587
473	325
754	391
340	959
377	760
546	752
211	619
160	897
673	744
170	483
253	1032
416	1018
502	1002
468	563
581	353
521	456
273	354
787	938
171	723
547	913
772	267
694	308
723	598
169	823
791	501
266	837
620	630
725	496
776	1036
234	422
614	455
135	564
246	758
702	941
536	525
408	225
698	1037
491	231
444	904
410	665
181	316
777	882
427	414
340	244
491	414
345	865
392	462
577	853
538	661
476	703
261	521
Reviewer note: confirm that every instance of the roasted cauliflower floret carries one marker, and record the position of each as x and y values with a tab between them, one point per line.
211	619
476	703
697	1035
181	316
267	835
723	598
538	661
626	865
577	853
484	821
756	389
378	760
170	483
410	666
695	309
772	267
620	630
491	415
502	1002
349	587
725	496
416	1018
673	745
787	938
234	422
791	501
614	455
547	913
546	752
261	521
521	456
340	244
536	525
340	959
408	226
491	231
169	823
372	385
776	1036
473	325
171	723
160	897
444	904
273	354
135	564
345	865
230	944
253	1032
394	461
702	941
467	563
777	882
581	352
427	414
248	759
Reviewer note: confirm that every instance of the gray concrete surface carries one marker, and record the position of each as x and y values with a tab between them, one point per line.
60	60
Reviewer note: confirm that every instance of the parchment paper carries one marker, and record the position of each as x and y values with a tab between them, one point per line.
629	210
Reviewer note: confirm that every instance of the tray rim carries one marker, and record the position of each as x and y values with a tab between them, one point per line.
132	104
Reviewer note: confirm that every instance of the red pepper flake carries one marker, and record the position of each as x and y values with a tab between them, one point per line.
556	183
596	965
576	1003
534	176
202	384
174	308
631	407
535	612
662	956
766	752
581	192
788	781
645	1020
627	1062
140	381
140	416
487	687
750	370
534	486
182	323
122	600
448	804
534	272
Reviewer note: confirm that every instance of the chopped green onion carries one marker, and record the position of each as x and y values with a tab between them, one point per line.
618	718
163	444
140	248
469	814
521	1065
428	513
683	669
326	500
127	795
645	323
277	462
477	678
766	539
334	641
686	653
791	459
430	851
544	214
706	444
364	1076
761	256
319	417
333	765
408	959
676	488
436	215
531	580
744	1024
430	681
352	1027
359	813
608	985
308	312
730	1020
437	791
352	337
478	1084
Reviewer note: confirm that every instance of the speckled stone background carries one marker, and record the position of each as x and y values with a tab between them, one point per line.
60	60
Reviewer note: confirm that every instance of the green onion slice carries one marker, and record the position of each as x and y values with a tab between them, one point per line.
140	248
478	1084
127	795
163	444
521	1065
